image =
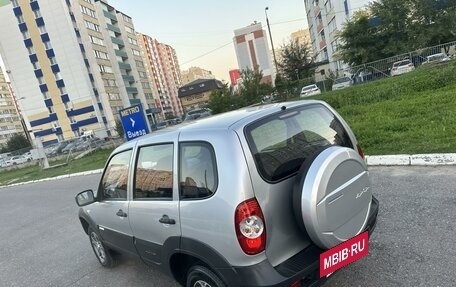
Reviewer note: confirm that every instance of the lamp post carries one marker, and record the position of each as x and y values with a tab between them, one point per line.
270	36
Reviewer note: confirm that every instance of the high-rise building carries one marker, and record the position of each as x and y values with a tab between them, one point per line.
252	50
164	72
10	122
73	65
195	73
326	18
302	36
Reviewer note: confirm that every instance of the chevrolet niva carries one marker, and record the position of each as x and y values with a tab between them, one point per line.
250	197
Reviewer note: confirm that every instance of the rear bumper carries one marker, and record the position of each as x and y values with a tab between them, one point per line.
304	265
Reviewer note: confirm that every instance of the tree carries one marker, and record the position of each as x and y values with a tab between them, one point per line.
221	100
252	89
119	128
16	142
359	41
296	60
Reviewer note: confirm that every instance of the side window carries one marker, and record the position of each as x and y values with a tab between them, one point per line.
154	172
114	182
198	171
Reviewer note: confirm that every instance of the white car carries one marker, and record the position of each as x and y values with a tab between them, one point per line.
17	159
402	67
342	83
310	90
436	58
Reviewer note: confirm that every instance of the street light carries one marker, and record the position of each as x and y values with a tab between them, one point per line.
270	36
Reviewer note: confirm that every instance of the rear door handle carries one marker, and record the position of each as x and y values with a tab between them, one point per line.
121	213
166	220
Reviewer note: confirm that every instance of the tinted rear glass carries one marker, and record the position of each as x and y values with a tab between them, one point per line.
280	143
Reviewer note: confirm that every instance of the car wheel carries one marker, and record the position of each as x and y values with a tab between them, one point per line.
200	276
332	196
103	254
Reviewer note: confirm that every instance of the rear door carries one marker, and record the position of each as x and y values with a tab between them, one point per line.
279	145
154	212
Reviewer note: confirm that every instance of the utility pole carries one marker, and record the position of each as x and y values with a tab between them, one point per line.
272	42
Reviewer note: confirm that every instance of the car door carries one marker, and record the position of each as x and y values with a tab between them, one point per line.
110	212
154	209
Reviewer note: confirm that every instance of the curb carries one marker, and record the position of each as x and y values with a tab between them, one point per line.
55	178
437	159
412	159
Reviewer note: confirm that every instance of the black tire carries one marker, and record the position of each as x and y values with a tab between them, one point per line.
103	254
200	276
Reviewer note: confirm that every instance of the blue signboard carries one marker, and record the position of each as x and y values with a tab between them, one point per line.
133	122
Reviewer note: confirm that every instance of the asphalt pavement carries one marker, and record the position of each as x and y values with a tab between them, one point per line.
43	244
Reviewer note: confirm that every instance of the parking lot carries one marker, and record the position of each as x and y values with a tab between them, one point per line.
43	244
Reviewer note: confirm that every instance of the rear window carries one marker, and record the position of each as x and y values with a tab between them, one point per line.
342	80
280	143
308	88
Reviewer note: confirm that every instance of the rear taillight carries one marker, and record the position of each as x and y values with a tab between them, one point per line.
250	227
360	151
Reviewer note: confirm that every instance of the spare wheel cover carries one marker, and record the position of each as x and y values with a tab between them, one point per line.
334	196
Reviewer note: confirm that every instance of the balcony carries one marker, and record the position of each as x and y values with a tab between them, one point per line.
135	101
120	53
117	41
113	28
322	44
128	78
320	26
124	66
317	10
109	15
131	90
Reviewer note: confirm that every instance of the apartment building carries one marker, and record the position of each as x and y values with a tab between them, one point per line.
163	70
195	73
325	19
10	122
73	63
252	51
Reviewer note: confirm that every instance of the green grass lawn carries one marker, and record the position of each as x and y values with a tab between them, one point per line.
408	114
95	160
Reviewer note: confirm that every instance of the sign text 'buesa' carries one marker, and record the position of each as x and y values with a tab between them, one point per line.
134	122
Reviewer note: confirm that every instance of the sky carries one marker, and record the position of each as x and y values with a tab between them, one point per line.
195	28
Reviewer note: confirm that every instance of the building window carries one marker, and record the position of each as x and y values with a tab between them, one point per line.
26	34
129	30
132	41
14	2
92	26
47	45
62	90
100	55
36	65
88	11
41	80
42	29
58	76
31	50
20	19
51	109
52	60
45	95
139	63
145	85
96	40
37	13
136	52
346	7
105	69
328	6
332	25
142	74
126	18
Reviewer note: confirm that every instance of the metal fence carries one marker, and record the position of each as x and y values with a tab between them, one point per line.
58	153
382	68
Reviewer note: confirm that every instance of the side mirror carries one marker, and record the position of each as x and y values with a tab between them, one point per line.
85	198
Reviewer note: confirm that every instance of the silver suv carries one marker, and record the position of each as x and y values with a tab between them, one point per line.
246	198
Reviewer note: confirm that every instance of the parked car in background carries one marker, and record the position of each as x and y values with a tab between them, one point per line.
197	113
18	159
402	67
436	58
342	83
310	90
